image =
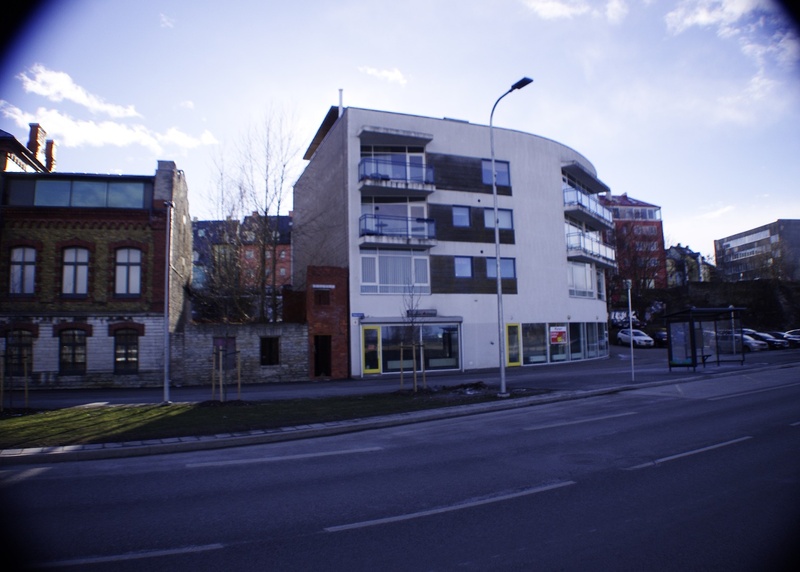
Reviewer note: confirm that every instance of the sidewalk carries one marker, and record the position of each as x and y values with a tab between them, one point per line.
563	382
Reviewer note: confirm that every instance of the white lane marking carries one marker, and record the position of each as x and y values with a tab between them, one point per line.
576	422
743	393
129	556
286	458
21	476
688	453
442	510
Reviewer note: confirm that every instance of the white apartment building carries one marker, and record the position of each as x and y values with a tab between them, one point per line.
405	203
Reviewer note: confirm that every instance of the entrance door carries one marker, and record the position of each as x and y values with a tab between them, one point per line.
322	356
371	349
513	352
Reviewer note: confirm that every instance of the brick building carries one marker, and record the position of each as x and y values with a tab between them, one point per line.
83	259
638	238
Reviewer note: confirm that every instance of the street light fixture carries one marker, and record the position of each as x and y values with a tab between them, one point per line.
500	324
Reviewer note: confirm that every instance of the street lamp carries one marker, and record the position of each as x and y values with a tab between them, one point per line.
500	325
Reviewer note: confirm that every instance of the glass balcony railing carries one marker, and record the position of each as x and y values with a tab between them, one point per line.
586	244
395	226
574	197
396	169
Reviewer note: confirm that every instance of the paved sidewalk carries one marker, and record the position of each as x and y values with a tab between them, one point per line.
563	382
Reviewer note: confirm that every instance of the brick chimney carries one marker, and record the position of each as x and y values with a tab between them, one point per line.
36	142
50	156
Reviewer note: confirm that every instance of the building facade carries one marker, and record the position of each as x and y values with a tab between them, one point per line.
85	298
638	239
241	268
38	156
405	204
685	265
771	251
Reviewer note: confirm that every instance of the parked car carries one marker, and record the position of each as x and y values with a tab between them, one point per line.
793	333
794	341
753	345
660	337
640	339
773	342
728	343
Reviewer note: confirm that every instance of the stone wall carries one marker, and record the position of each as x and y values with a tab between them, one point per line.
192	357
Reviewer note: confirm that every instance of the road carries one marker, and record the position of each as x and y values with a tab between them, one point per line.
689	476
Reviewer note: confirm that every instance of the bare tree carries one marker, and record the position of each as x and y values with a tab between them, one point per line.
254	185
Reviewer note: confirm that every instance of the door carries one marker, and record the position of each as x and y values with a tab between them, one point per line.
322	356
371	349
513	352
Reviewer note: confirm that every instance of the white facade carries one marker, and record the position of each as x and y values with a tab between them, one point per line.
338	208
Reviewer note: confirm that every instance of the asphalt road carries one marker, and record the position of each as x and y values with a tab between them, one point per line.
686	476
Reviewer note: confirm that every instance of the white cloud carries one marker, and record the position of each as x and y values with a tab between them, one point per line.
614	11
392	76
166	21
72	132
188	104
723	14
717	213
59	86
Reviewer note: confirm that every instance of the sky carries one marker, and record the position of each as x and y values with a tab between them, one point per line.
691	105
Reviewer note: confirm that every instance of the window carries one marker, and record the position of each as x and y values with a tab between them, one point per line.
72	352
581	279
23	270
129	272
507	268
461	216
501	168
463	266
503	216
19	353
322	297
75	281
270	349
394	272
126	351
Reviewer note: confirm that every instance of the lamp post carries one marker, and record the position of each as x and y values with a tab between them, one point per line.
167	265
628	284
500	325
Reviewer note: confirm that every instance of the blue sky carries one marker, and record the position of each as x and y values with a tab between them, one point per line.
693	105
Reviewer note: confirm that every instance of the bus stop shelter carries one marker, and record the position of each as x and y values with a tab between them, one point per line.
699	335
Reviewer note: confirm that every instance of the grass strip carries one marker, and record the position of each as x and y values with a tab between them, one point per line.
121	423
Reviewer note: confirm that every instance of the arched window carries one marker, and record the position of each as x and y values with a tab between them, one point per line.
19	352
23	270
72	352
126	351
128	272
75	280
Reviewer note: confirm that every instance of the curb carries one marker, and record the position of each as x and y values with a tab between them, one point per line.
99	451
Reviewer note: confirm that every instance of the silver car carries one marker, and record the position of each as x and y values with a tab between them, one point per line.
640	339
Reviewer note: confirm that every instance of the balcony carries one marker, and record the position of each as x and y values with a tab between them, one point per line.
582	247
586	208
390	177
398	232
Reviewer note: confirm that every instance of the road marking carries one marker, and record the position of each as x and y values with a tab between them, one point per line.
21	476
587	420
445	509
688	453
129	556
743	393
286	458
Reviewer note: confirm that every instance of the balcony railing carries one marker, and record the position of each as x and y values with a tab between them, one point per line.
411	171
581	244
575	198
398	227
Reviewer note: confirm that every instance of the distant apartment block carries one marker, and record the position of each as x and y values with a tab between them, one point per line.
771	251
638	238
